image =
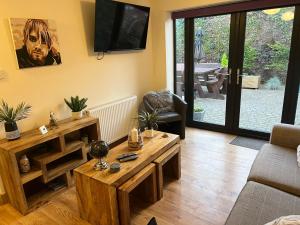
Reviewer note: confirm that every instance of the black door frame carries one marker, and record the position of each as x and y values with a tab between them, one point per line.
237	38
289	107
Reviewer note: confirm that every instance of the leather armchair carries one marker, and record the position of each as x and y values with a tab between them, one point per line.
171	121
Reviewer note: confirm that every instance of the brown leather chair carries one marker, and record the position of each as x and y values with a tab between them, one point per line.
169	121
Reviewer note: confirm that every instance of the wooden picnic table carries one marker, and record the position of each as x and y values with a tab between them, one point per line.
201	76
201	69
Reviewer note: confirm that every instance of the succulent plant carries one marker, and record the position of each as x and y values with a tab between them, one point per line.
76	104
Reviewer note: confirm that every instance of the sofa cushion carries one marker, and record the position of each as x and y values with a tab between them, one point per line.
286	220
161	101
298	155
258	204
277	167
167	117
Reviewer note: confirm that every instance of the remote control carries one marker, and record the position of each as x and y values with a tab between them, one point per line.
129	158
126	155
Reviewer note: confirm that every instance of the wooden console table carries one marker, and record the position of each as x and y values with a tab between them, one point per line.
52	156
97	190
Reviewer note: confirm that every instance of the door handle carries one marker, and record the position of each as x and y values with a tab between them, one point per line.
238	76
229	76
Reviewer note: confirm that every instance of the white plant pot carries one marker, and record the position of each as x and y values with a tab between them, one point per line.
149	133
77	115
199	116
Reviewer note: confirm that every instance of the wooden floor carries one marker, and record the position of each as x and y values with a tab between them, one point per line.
213	174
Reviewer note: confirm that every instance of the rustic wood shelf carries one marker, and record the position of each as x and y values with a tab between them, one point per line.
49	156
63	167
34	173
72	146
42	197
52	157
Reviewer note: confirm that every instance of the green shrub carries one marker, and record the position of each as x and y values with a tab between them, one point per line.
273	83
250	55
224	60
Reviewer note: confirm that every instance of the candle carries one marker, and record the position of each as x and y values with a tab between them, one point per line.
134	135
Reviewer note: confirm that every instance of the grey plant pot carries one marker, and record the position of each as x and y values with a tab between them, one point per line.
199	116
11	130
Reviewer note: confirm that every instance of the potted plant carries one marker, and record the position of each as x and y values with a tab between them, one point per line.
10	116
76	104
199	114
149	121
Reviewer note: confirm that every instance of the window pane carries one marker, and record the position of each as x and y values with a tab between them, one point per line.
211	51
179	36
266	57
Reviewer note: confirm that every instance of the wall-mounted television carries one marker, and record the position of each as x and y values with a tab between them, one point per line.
120	26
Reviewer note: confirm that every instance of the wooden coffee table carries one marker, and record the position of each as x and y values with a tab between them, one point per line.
97	190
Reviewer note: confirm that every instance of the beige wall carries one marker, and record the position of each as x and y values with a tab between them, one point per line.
162	40
118	75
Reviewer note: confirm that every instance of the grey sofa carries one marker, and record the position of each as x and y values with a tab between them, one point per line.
273	187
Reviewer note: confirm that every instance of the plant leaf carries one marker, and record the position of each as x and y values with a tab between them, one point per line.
76	104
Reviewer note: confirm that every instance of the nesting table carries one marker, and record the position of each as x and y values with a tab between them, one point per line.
97	191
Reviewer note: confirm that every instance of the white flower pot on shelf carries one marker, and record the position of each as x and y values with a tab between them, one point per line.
77	115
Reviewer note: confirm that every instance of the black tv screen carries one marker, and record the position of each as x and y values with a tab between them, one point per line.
120	26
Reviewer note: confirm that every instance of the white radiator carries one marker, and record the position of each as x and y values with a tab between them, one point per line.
115	118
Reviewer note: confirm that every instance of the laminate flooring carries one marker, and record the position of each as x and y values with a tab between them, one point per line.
213	174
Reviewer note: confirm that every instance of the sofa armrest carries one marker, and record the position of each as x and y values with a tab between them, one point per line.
286	135
180	105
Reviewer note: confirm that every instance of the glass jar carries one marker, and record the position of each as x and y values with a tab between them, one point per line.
135	138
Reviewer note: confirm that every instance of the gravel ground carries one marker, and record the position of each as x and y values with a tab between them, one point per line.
260	109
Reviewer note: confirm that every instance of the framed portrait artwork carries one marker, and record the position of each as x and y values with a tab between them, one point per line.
35	42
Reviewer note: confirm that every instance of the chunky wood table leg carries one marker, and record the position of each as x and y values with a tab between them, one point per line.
177	165
148	174
97	202
124	207
150	187
160	181
173	157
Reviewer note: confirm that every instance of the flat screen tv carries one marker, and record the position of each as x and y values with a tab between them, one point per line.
120	26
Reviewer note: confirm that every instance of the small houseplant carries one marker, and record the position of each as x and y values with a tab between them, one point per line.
10	116
76	104
149	121
199	113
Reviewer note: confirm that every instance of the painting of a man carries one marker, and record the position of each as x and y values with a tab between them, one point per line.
35	44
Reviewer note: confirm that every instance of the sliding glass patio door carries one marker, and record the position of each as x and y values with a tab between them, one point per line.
210	68
203	68
264	69
240	71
